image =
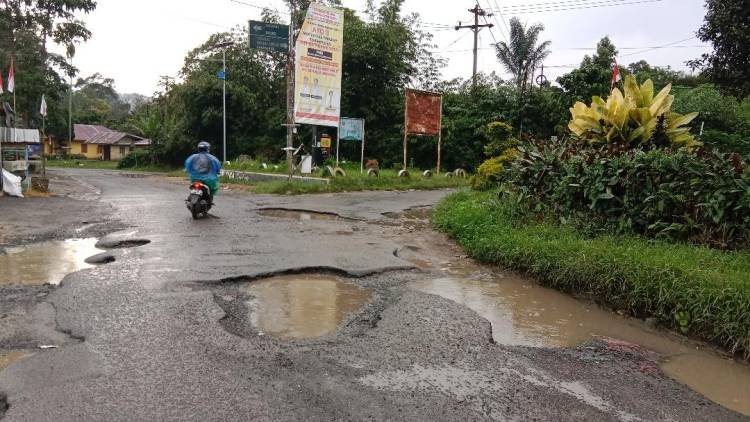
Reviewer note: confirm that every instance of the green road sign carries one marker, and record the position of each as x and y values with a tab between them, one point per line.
270	37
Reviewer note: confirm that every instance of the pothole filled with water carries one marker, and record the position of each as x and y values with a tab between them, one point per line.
46	262
303	306
299	215
525	314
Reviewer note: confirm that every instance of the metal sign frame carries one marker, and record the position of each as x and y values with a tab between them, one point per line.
338	138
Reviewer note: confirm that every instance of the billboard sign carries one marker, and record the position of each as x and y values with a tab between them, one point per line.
423	112
318	58
270	37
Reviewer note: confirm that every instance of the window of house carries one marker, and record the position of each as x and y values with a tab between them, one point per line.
123	150
84	148
99	149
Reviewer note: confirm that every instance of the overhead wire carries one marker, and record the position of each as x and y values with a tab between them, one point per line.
560	3
572	7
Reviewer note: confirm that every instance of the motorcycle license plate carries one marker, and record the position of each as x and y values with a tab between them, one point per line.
196	192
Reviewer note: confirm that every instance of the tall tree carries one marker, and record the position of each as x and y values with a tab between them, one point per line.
727	27
594	75
523	52
25	28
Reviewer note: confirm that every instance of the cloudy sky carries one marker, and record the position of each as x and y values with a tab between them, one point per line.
137	41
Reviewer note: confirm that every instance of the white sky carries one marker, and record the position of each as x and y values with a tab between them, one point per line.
136	41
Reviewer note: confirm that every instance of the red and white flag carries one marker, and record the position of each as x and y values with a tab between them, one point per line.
615	76
11	78
1	83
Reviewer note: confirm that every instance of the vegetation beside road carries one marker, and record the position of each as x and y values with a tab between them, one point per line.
354	182
105	165
702	291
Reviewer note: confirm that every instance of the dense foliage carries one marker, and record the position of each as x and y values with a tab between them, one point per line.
703	292
702	198
26	27
727	27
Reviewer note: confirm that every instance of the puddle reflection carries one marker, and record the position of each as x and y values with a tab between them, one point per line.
298	307
525	314
47	262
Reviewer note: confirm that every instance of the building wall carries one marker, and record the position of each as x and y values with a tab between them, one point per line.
92	151
119	152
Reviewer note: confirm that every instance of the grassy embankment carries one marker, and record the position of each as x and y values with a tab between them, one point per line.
354	181
704	292
104	165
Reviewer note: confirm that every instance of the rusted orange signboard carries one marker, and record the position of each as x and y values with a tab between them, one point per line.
423	113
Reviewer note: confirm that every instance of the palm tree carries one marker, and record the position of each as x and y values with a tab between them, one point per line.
522	54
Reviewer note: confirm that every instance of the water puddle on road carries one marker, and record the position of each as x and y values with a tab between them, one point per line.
298	215
46	262
300	307
525	314
8	359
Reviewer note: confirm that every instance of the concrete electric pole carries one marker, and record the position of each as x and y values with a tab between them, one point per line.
477	11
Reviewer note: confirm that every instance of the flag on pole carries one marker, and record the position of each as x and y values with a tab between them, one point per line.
11	78
615	76
43	107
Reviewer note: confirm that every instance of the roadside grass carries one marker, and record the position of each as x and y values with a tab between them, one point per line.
354	183
106	165
704	292
83	164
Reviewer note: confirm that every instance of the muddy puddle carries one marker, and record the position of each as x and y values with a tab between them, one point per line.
46	262
523	313
300	307
8	359
298	215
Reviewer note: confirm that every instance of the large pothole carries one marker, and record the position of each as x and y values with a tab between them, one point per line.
47	262
302	306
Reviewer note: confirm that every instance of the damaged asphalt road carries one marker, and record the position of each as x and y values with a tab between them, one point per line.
165	331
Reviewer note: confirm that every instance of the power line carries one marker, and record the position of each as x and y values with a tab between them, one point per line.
497	6
560	3
658	47
592	6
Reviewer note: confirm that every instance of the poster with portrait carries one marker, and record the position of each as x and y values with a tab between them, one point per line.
318	58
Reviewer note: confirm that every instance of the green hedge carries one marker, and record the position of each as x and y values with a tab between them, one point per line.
702	198
703	291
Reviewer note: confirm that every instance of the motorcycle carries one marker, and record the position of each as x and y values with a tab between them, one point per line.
199	201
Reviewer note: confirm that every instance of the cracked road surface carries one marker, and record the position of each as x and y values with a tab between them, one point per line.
164	332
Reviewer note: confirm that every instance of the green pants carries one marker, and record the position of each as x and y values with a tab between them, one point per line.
213	185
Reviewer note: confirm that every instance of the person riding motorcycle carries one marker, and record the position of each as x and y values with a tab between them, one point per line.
204	167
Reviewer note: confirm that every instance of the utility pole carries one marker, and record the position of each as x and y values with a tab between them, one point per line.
290	97
477	11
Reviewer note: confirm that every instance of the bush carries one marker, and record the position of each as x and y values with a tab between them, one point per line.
499	136
136	158
699	198
701	291
489	175
726	142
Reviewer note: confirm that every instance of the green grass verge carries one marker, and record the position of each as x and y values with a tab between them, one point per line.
353	183
703	291
105	165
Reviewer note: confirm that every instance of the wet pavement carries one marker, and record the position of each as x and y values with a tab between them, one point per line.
192	325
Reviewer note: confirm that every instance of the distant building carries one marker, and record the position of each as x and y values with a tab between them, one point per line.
101	143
